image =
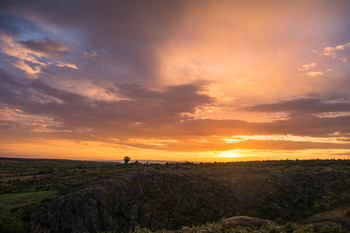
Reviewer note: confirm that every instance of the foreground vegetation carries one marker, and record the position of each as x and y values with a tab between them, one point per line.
224	228
24	183
315	192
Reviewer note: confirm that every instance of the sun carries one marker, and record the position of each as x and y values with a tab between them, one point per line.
229	154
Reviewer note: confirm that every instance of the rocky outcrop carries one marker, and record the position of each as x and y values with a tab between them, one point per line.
246	221
146	198
157	199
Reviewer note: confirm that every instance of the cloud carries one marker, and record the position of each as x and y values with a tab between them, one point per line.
15	118
140	106
157	117
299	125
332	50
314	73
27	54
215	144
10	47
15	24
130	32
128	71
252	144
345	153
65	64
31	71
303	106
46	47
308	66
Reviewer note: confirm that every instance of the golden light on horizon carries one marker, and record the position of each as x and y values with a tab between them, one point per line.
230	154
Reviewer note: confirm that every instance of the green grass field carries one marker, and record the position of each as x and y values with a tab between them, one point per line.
15	200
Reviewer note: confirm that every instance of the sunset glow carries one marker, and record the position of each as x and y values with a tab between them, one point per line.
175	80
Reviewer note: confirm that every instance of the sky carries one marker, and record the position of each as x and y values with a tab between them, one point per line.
185	80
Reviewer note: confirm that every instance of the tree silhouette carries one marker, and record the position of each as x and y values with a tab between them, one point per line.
126	159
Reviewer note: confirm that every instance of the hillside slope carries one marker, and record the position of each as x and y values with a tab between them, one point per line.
169	199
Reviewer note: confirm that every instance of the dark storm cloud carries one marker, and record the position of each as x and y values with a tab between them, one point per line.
48	47
305	105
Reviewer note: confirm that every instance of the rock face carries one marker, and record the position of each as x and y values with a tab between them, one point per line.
147	198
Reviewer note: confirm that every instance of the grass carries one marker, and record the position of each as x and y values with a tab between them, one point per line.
15	200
